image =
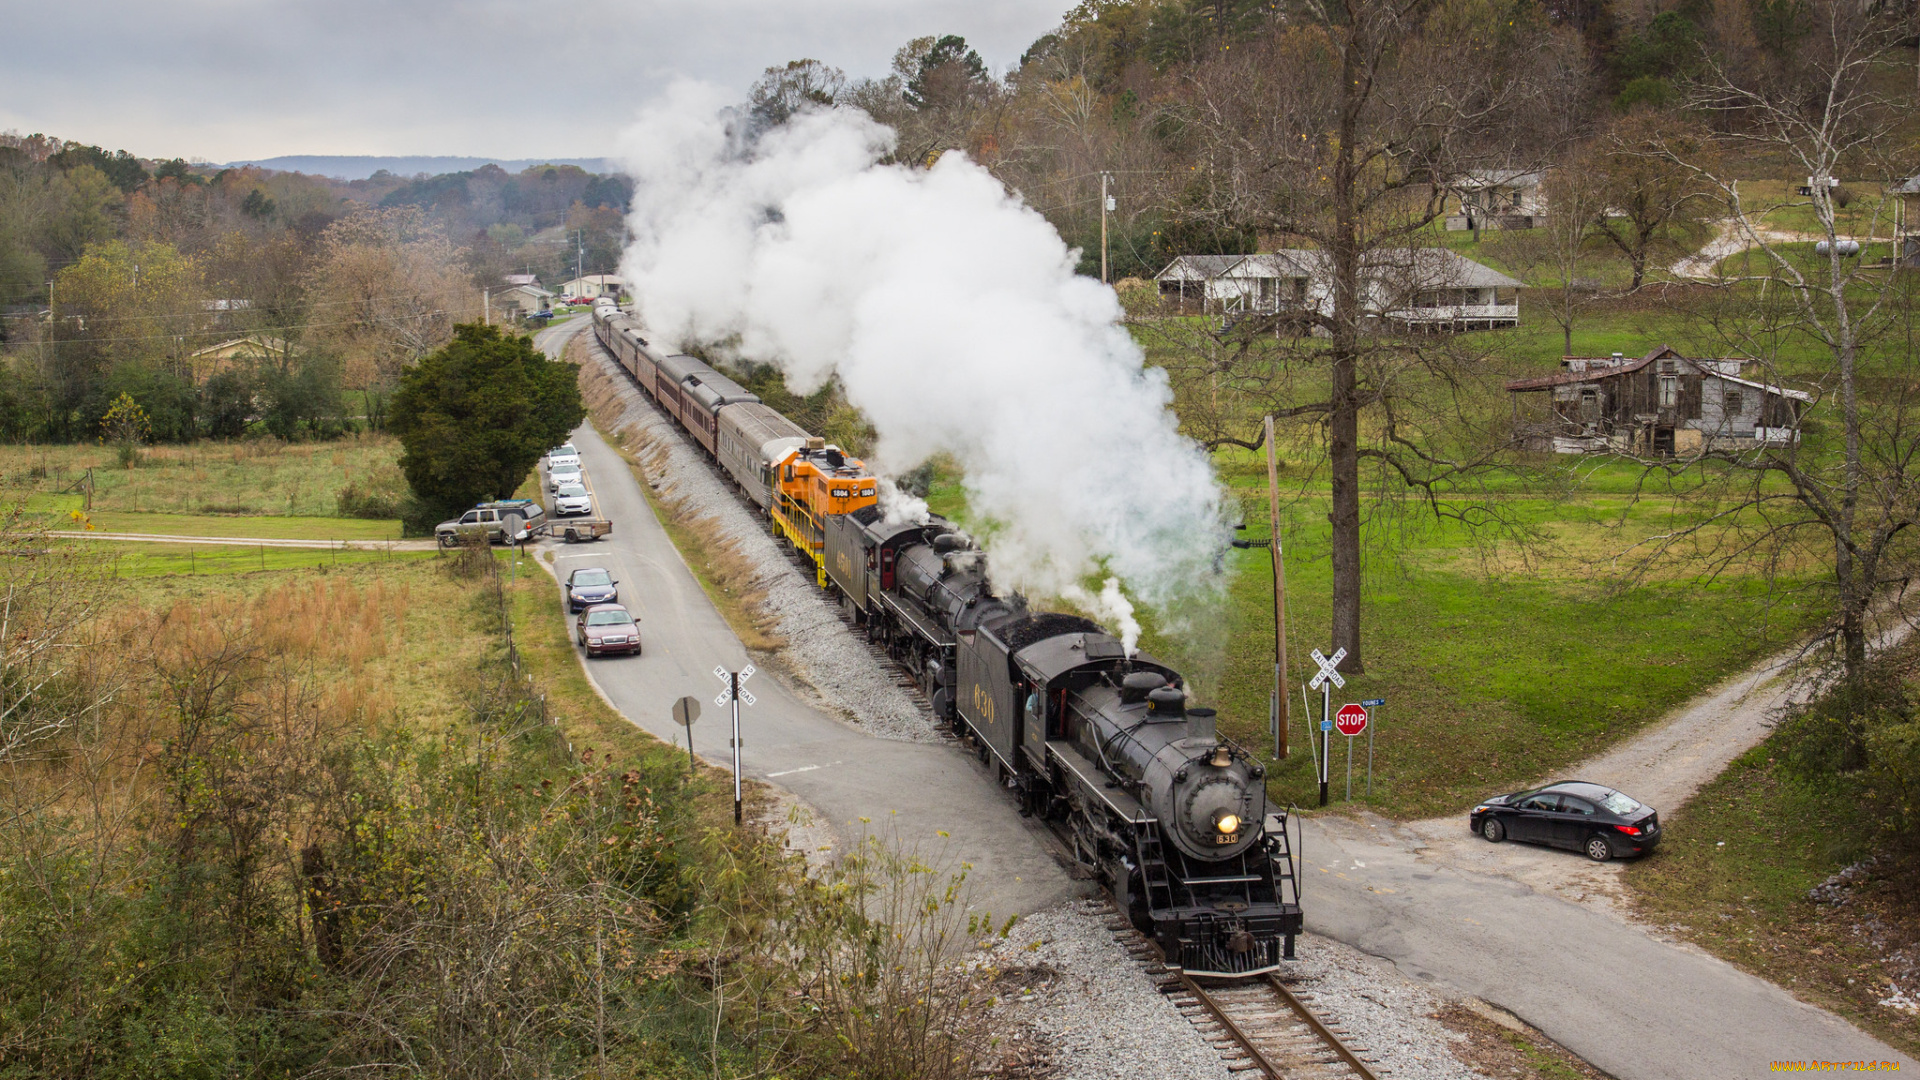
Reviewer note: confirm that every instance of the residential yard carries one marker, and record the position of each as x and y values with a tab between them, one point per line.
260	487
1734	875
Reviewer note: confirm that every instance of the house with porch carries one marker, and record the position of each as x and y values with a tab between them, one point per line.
1662	404
1497	199
1417	289
1196	283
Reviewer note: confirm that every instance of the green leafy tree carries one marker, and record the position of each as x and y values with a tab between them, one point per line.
125	426
122	168
475	416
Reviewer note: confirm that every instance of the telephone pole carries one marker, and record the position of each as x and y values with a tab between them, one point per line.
1280	695
1106	205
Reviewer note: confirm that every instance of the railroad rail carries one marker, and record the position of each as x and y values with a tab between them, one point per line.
1260	1024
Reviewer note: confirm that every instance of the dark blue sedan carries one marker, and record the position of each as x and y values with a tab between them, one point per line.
1571	814
588	586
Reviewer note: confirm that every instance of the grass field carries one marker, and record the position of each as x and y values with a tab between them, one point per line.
145	559
251	478
1499	665
1734	877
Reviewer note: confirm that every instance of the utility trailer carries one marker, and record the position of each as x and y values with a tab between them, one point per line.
577	530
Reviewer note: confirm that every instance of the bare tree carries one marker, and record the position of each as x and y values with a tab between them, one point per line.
386	289
1556	248
1643	199
1851	487
1337	134
783	91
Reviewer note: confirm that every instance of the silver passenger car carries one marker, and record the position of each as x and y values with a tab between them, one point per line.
751	438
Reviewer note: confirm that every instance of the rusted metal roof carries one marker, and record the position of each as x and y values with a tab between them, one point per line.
1595	374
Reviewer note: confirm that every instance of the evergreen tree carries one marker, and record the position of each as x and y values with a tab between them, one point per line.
474	417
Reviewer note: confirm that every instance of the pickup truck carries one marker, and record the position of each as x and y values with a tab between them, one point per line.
509	521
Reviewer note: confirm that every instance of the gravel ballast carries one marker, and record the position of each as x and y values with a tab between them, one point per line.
1070	991
831	661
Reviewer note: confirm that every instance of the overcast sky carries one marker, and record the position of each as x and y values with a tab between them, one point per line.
227	80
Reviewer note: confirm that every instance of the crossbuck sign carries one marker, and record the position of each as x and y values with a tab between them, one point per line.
726	677
1329	668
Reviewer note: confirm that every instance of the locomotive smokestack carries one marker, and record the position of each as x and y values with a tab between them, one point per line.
1201	724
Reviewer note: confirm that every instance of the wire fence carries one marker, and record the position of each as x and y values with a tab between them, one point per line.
531	700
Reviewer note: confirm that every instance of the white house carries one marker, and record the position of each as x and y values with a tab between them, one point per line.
594	286
1195	280
1430	289
1498	199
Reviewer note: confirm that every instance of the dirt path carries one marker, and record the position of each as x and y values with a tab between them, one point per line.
1729	239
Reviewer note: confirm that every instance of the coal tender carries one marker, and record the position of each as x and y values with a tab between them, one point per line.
1171	815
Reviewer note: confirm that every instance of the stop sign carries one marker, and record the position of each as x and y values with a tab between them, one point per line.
1351	719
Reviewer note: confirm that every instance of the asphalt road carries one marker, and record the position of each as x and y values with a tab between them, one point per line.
1635	1006
913	792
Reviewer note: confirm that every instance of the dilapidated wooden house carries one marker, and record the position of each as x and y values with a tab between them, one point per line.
1661	404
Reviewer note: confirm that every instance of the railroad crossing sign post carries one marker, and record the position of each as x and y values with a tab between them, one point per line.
734	694
685	712
1324	681
1373	704
1351	720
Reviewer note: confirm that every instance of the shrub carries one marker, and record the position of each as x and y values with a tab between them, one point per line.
382	496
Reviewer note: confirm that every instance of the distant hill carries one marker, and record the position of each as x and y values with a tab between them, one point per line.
361	167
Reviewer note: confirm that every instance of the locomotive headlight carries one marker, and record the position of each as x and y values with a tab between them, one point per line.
1226	823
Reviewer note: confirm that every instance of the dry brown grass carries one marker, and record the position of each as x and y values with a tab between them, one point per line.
404	631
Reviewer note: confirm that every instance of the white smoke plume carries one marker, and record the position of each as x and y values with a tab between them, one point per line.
1111	605
898	507
951	313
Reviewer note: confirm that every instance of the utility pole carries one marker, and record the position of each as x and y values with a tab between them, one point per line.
1106	205
1280	695
486	308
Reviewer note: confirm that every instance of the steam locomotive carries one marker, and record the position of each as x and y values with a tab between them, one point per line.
1170	815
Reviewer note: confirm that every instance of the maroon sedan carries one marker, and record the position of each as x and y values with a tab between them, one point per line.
608	628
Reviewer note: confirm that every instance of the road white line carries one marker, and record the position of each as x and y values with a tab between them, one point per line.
803	768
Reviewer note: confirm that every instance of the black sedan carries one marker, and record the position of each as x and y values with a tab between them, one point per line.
1574	815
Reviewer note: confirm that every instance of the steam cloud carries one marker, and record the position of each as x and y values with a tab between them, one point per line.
952	315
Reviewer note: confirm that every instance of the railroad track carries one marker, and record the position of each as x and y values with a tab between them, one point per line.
1259	1026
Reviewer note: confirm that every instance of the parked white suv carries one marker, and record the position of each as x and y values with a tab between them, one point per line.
562	456
572	499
